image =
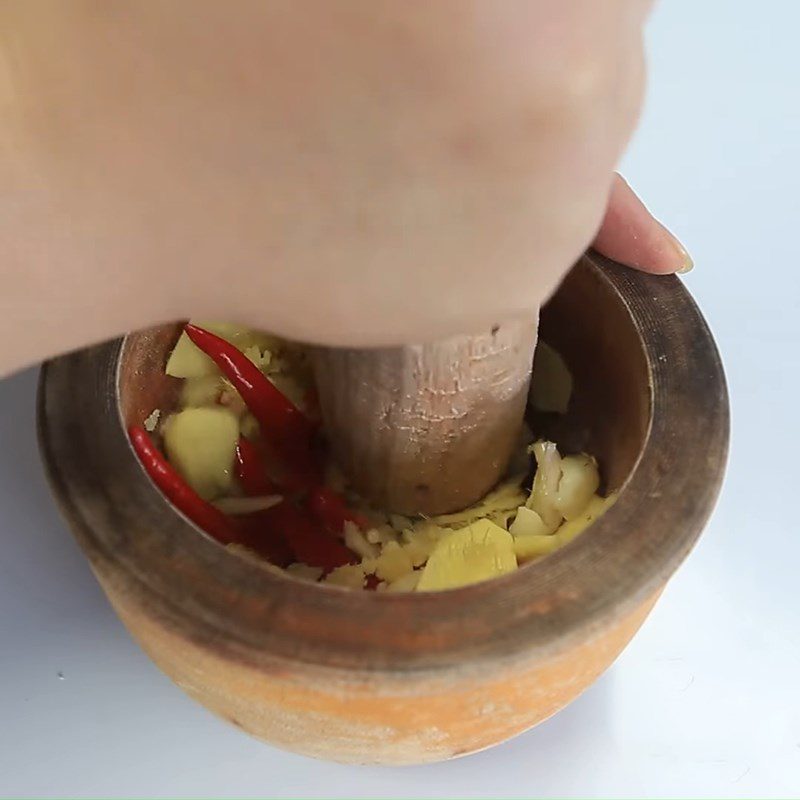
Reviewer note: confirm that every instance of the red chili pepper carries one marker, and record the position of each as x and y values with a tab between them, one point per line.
280	420
285	522
251	470
301	471
332	511
178	492
260	534
371	584
309	544
253	475
281	423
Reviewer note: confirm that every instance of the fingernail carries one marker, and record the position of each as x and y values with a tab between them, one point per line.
687	265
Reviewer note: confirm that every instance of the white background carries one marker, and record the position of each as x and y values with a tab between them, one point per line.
704	702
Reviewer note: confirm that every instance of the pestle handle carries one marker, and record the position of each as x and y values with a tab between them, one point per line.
430	428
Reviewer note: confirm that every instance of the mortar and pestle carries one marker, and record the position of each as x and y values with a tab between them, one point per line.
409	678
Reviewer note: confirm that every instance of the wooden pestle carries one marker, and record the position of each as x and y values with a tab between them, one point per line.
430	428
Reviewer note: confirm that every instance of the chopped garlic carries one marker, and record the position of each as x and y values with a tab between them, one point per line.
418	550
304	572
261	360
420	541
369	565
399	522
393	563
407	583
506	497
382	534
357	542
151	423
350	575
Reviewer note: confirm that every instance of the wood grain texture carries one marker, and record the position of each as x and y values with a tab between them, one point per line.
409	718
429	428
651	402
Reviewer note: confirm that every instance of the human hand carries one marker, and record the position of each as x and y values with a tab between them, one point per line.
347	173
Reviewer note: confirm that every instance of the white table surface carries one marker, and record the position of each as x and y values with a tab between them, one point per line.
704	702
